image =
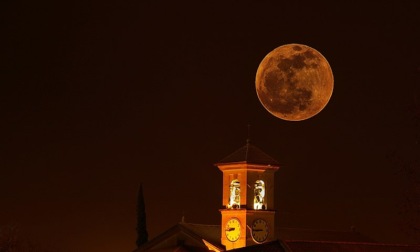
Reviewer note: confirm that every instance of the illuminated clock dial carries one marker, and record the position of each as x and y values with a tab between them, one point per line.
233	229
259	230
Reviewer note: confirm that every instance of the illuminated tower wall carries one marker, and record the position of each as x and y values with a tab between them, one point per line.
248	198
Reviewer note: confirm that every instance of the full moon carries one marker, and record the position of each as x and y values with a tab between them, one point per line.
294	82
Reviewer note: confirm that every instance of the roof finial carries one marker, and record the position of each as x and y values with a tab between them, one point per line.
183	217
249	134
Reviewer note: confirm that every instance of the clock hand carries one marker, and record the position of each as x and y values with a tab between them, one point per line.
230	229
257	230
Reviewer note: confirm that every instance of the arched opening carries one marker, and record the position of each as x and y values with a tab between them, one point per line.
234	198
259	194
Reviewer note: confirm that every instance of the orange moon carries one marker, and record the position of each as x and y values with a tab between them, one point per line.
294	82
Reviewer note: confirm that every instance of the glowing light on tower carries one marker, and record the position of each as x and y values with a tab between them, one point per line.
259	194
235	198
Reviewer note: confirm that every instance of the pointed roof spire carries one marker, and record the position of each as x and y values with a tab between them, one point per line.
249	154
248	140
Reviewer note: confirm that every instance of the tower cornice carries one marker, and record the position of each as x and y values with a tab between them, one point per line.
246	166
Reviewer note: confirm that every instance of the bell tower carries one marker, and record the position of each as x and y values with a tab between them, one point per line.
248	197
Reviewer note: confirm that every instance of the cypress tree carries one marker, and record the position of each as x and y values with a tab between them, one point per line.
142	236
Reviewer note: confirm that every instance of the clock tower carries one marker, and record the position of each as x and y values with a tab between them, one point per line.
248	197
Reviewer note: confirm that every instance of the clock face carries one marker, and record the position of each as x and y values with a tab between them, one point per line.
259	230
233	229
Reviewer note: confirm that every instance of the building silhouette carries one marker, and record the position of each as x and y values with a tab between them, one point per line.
248	218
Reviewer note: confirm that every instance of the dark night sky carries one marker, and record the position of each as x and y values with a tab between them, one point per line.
97	97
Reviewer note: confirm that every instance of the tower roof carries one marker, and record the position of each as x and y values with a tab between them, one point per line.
249	154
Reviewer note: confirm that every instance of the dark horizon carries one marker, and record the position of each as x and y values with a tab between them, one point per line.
98	97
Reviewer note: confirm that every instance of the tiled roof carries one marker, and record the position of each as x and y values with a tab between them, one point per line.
303	234
274	246
249	154
210	233
181	237
189	237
